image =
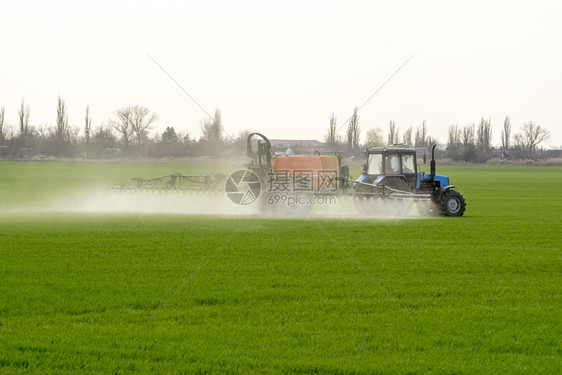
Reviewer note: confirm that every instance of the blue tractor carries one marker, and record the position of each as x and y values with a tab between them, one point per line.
391	172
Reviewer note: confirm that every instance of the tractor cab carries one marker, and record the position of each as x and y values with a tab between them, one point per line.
394	166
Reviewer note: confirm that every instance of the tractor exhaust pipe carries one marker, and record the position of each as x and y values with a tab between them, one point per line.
432	165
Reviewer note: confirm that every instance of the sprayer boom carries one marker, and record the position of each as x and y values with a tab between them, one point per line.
178	181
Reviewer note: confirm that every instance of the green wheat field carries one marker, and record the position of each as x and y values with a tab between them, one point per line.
95	292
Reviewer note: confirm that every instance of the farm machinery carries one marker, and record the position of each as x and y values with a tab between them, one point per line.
389	184
392	173
390	181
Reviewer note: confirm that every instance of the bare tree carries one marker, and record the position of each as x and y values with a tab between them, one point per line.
531	136
212	129
454	137
2	118
26	120
357	131
421	135
484	135
141	119
454	141
123	124
23	115
212	138
467	135
374	137
392	133
468	147
353	131
87	130
407	137
133	122
506	133
332	136
62	129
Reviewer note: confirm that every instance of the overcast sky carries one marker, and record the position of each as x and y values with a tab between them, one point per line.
283	67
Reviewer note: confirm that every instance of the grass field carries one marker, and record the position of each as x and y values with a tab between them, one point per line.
130	293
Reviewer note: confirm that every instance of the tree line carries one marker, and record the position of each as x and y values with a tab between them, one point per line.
127	134
469	143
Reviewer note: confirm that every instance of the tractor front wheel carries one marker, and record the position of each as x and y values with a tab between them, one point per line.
452	203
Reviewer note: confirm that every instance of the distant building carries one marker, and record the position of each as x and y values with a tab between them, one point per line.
296	146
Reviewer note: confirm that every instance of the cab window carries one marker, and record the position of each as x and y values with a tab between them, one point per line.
408	165
392	164
375	164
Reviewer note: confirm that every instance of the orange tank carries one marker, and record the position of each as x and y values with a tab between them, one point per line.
320	170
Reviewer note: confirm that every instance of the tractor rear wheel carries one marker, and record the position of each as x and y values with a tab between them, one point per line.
452	203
